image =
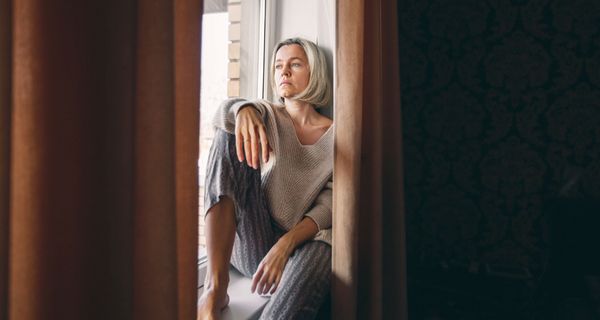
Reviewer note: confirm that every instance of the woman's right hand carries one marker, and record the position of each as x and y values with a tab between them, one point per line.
250	131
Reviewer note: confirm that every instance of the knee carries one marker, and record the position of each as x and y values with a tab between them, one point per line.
223	140
222	157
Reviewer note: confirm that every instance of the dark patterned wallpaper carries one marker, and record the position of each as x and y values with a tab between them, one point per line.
501	113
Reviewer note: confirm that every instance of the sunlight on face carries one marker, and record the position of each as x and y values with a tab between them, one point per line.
292	71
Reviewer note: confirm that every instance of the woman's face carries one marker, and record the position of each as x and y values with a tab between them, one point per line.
292	71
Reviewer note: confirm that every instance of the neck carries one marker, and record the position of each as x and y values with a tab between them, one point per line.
302	112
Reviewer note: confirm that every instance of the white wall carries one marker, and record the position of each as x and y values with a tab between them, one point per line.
310	19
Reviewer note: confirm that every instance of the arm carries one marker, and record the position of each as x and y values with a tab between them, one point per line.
315	220
269	272
320	213
305	230
246	120
227	112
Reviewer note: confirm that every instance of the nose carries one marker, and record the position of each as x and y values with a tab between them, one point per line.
285	70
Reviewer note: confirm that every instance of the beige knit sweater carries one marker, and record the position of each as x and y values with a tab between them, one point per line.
297	179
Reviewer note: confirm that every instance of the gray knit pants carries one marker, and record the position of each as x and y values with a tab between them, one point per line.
306	277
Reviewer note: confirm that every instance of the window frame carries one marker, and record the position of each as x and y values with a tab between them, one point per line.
257	25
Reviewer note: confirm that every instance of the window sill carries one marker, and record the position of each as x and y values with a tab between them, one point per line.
242	303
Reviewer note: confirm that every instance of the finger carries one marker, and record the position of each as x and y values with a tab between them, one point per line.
256	278
264	281
264	142
239	142
260	283
270	284
254	145
276	284
247	150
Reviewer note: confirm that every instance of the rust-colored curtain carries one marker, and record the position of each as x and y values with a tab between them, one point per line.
5	74
99	120
369	267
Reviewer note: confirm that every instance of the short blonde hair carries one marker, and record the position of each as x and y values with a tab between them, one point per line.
318	90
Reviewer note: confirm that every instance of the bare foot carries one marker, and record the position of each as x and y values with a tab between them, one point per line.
210	305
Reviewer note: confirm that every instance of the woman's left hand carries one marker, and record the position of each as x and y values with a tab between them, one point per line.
269	271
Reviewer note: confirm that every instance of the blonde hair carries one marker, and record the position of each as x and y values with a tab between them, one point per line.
318	90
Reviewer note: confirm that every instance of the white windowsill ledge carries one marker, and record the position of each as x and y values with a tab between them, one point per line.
242	303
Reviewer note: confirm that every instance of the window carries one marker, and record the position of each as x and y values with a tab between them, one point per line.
232	65
237	38
213	91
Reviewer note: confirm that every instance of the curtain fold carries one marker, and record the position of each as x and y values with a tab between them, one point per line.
5	101
98	156
369	267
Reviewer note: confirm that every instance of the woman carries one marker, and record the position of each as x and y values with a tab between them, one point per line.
273	224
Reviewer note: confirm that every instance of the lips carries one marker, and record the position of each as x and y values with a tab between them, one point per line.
284	83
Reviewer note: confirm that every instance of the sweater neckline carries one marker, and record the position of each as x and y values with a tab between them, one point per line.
291	122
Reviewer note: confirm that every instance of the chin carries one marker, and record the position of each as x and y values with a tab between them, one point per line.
286	95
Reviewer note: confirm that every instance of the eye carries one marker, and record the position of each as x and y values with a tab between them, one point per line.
296	65
278	66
